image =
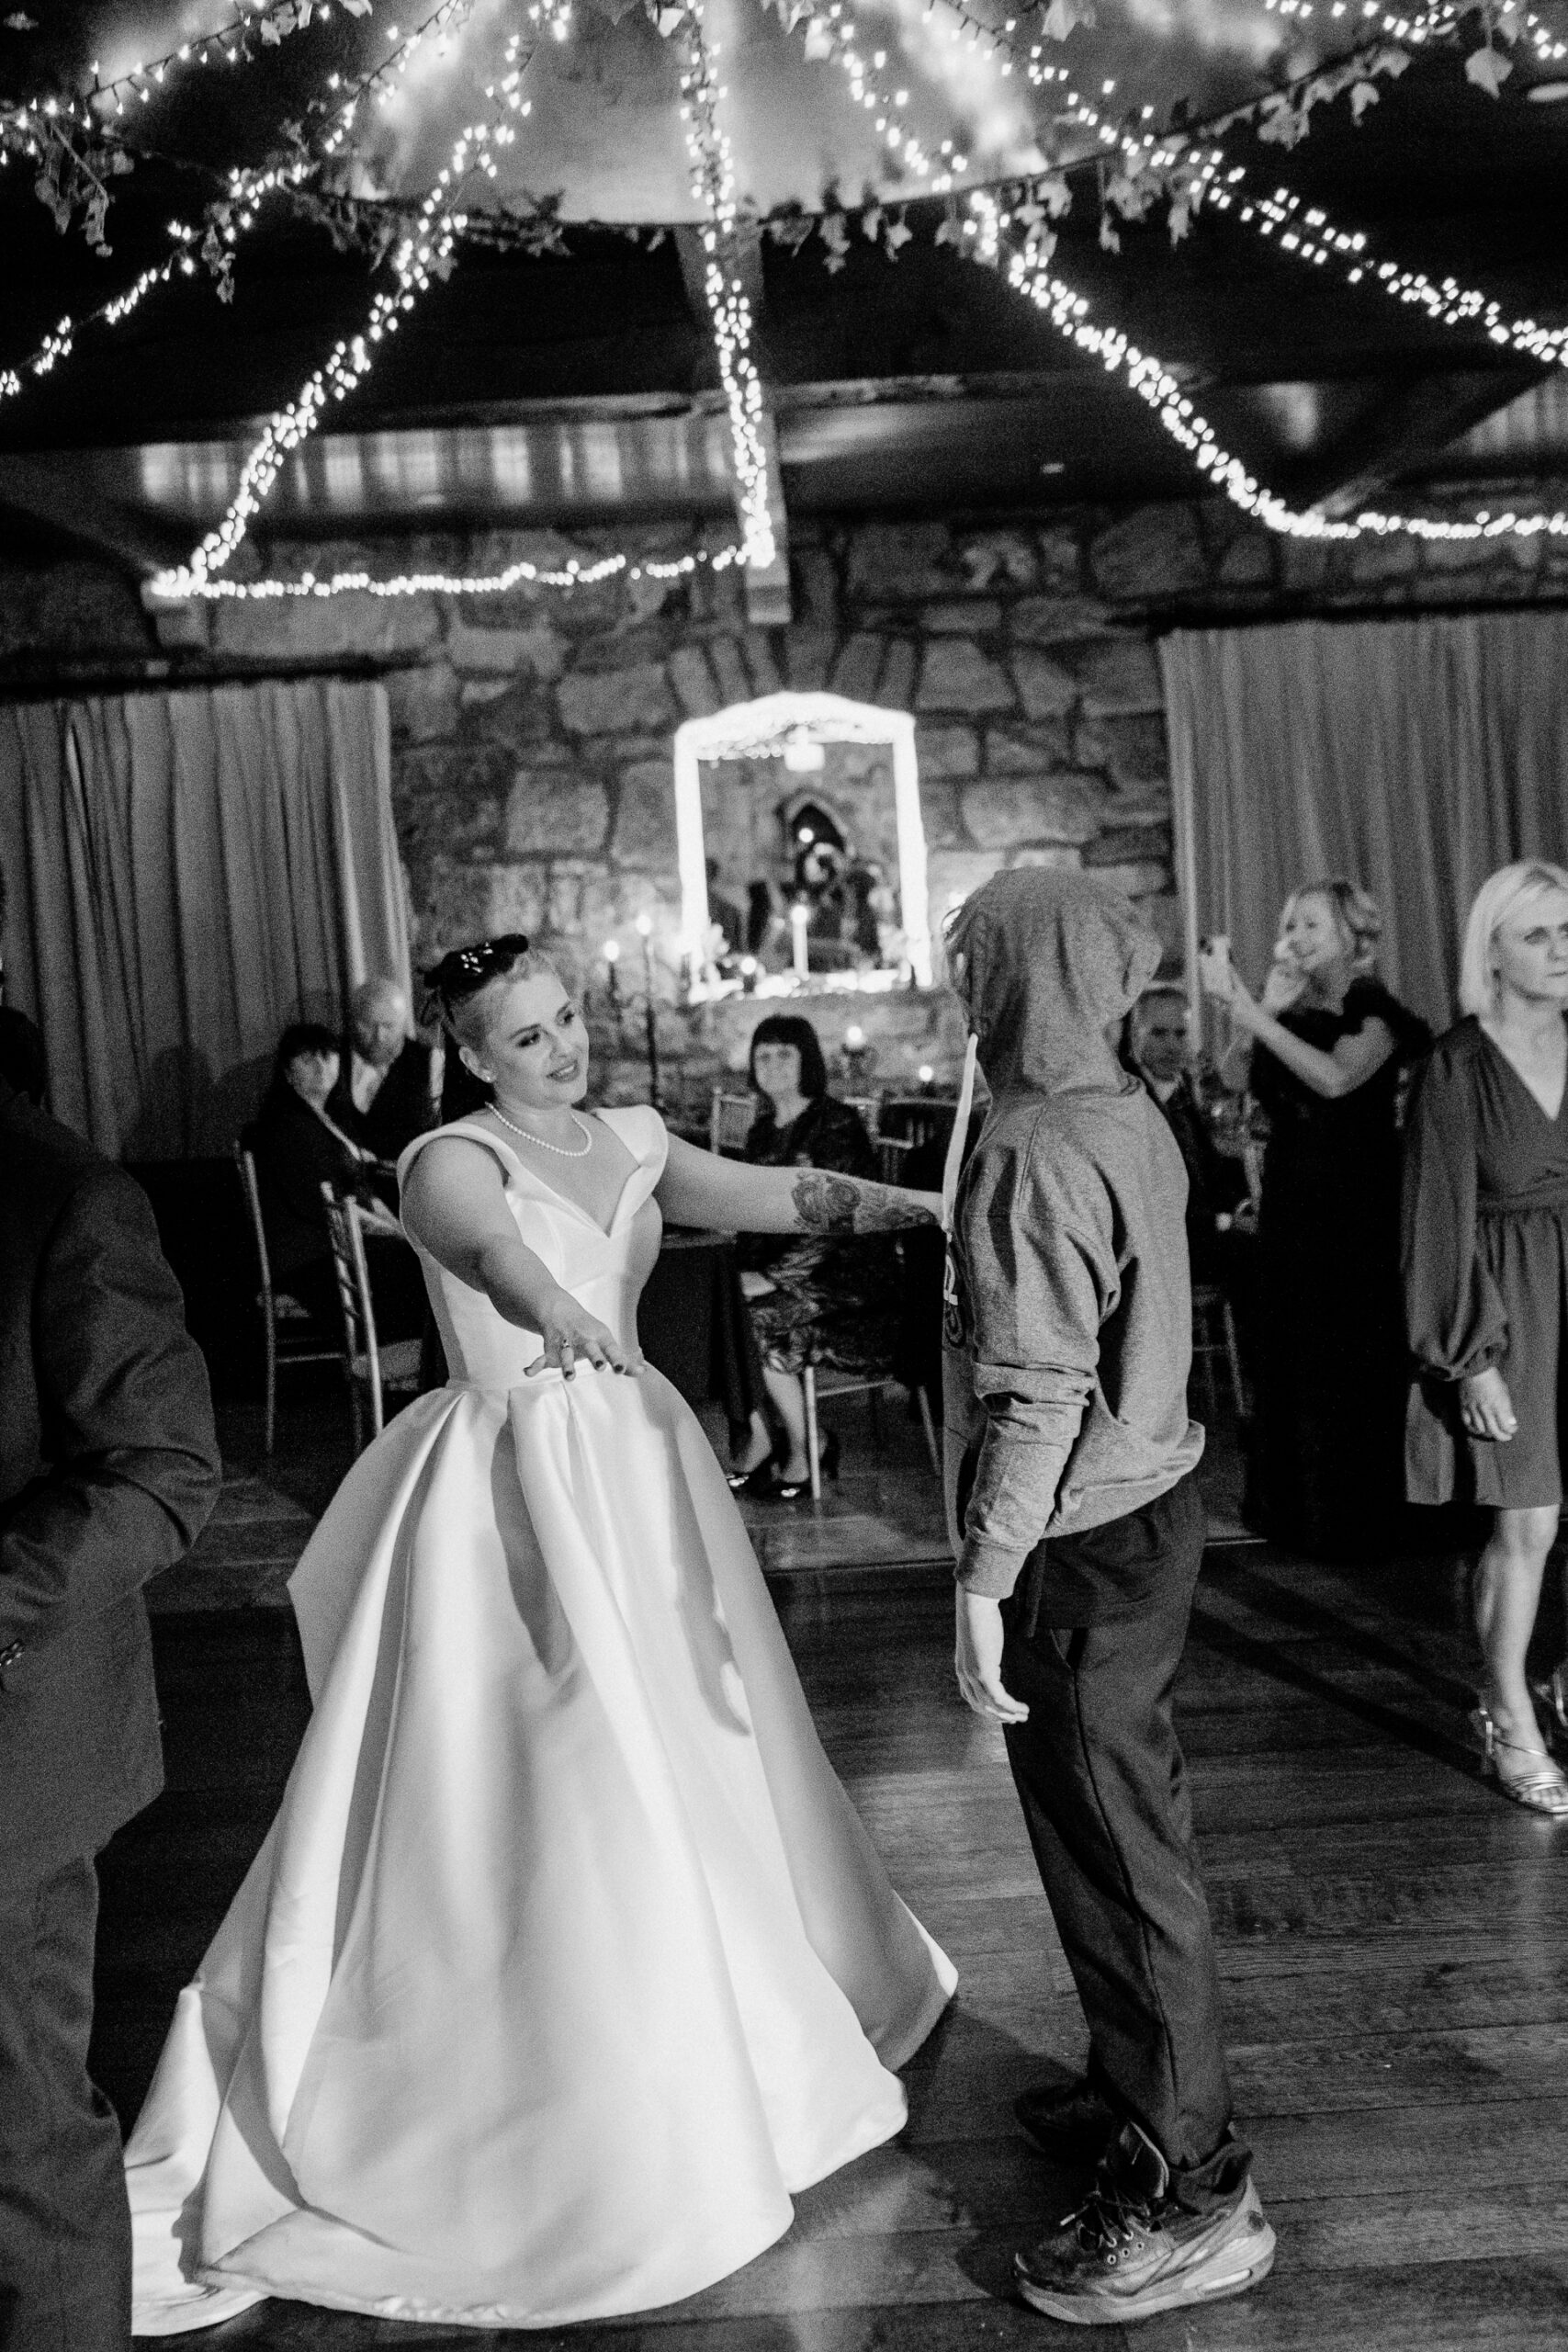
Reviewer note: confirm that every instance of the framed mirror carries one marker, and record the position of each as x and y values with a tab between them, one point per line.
802	853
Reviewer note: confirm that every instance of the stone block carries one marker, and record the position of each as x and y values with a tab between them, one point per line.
537	651
858	667
1059	557
477	694
1007	812
1034	750
1119	675
473	902
1137	844
305	627
765	678
554	812
734	679
1046	620
1162	911
1373	561
605	701
1046	689
952	875
896	687
1137	877
1148	556
939	816
1130	749
942	752
1304	565
1249	561
808	655
81	609
955	676
979	619
694	682
645	816
814	588
423	702
1059	857
899	562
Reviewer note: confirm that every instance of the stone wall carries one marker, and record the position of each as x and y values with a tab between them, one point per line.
532	731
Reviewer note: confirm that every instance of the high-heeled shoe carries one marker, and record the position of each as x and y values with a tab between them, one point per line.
789	1490
1553	1694
1534	1781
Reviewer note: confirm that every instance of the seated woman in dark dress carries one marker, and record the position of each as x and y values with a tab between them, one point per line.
835	1303
1325	1044
298	1149
1486	1290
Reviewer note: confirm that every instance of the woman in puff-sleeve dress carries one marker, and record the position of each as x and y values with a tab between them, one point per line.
1485	1261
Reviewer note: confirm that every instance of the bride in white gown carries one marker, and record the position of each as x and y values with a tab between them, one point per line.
567	1958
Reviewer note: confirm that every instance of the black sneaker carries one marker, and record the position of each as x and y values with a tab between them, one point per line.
1133	2248
1069	2121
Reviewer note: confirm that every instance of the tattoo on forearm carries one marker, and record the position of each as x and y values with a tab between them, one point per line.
829	1203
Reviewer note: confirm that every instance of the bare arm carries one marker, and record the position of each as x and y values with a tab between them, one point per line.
700	1188
1333	1075
455	1204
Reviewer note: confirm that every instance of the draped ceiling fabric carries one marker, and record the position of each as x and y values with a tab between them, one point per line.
187	873
1415	756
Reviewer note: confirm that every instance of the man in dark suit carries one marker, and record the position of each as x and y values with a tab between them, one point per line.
108	1468
389	1089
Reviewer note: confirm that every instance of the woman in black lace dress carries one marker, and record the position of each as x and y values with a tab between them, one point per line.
832	1302
1327	1046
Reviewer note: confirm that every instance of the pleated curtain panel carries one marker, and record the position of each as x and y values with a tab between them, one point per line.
185	874
1414	756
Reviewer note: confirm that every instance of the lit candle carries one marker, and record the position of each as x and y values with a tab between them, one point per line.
747	972
854	1038
799	916
612	958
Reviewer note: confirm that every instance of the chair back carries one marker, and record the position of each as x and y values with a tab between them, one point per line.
245	1160
870	1109
892	1151
730	1119
353	1296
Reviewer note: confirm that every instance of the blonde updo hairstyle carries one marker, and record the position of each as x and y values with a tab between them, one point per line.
1356	917
1530	877
462	988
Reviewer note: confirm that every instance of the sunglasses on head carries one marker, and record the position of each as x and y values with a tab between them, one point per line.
463	969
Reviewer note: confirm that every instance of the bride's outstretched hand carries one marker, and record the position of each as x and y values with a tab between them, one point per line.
572	1338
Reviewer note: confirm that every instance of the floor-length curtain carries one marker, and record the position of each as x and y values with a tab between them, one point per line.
185	874
1413	756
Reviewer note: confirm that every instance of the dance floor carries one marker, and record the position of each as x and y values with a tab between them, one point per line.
1393	1941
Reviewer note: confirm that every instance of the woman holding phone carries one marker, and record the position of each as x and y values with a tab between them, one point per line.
1323	1051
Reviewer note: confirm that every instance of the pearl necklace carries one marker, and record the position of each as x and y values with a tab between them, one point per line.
529	1137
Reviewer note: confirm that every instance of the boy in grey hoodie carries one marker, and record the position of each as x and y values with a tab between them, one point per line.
1079	1533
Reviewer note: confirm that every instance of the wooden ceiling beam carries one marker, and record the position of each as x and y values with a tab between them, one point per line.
1411	427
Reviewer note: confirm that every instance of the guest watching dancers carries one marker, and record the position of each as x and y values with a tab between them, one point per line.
1486	1290
1324	1049
108	1469
811	1300
299	1147
1079	1533
1159	1047
389	1086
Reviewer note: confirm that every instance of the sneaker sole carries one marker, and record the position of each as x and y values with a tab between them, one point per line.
1111	2309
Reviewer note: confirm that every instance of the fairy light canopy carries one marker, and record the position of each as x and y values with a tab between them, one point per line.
697	254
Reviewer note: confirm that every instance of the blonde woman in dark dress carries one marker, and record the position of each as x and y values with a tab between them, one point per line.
1486	1290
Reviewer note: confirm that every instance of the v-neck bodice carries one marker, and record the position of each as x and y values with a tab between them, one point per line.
603	1270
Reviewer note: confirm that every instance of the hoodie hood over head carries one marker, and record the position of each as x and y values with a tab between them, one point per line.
1050	960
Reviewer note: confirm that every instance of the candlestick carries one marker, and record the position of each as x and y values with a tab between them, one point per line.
644	928
612	958
799	916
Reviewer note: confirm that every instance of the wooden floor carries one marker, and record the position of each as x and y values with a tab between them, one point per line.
1393	1941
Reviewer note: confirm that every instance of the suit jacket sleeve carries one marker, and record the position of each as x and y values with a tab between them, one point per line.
127	1420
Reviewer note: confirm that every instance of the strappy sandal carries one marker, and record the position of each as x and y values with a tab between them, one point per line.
1537	1783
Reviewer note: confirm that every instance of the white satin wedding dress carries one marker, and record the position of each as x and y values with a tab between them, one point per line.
567	1958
